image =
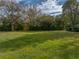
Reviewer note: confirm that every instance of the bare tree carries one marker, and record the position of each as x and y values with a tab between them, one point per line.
13	11
30	13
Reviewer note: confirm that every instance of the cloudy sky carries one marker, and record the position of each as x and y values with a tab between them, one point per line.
50	6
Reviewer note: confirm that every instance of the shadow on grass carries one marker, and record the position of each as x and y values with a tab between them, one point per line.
32	39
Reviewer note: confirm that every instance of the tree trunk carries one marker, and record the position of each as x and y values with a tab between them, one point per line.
26	24
26	27
13	27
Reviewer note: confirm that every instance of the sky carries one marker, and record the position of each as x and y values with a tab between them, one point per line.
49	7
18	0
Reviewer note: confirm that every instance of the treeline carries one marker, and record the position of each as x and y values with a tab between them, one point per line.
20	18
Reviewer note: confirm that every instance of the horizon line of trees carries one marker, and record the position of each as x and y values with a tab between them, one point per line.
20	18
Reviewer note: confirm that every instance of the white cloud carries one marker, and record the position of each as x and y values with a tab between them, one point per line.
51	7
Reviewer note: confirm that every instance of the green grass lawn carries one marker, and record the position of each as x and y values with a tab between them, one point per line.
39	45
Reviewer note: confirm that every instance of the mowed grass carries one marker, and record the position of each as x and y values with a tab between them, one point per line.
39	45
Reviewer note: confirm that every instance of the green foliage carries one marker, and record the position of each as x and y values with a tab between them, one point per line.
42	23
5	24
71	14
46	22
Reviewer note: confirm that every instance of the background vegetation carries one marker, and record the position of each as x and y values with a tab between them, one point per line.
21	18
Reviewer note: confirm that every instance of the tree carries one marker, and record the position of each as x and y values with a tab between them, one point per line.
58	23
30	14
13	12
43	22
3	19
70	12
26	23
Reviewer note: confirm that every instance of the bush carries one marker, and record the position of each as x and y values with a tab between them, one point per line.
76	27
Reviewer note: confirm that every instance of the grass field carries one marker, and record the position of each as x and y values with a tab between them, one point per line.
39	45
